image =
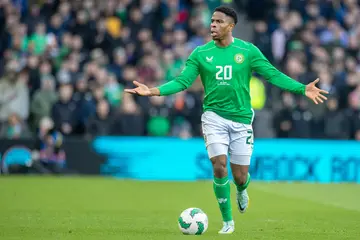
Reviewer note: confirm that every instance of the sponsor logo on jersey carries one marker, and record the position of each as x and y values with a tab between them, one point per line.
209	59
239	58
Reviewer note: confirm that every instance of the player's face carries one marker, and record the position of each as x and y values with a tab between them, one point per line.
221	25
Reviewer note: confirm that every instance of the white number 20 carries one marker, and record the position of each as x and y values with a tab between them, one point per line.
224	72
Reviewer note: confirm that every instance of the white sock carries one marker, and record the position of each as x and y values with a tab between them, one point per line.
232	223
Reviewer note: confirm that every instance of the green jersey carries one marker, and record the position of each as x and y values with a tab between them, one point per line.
225	74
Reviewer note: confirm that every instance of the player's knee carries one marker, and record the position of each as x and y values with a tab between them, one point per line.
240	178
219	166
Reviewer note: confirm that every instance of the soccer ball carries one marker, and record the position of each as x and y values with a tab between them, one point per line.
193	221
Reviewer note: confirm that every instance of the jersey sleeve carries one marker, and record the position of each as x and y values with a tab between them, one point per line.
262	66
186	78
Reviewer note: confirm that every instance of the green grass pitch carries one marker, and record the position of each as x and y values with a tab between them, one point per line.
101	208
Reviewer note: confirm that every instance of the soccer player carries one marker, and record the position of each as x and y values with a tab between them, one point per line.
225	65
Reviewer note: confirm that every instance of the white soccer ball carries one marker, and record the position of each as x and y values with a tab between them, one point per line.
193	221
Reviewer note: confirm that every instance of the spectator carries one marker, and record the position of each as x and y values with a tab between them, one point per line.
336	124
262	39
119	62
56	26
38	40
130	120
283	120
43	100
158	123
14	128
101	124
85	102
34	82
65	112
302	120
279	38
33	18
48	156
46	71
82	27
14	95
113	91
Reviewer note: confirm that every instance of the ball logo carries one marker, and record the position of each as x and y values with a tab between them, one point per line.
239	58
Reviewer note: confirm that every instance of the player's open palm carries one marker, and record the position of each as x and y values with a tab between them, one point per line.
314	93
141	89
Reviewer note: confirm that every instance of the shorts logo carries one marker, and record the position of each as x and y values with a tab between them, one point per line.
204	135
205	139
239	58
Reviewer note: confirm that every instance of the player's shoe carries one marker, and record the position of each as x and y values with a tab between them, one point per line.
242	199
228	228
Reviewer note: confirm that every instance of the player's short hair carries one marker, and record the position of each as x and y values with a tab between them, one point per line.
227	11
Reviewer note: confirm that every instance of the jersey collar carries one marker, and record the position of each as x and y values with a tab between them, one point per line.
232	42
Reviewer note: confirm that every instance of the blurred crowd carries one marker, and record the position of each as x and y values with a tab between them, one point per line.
64	65
307	40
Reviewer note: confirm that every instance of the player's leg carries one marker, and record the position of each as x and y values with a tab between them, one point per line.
241	179
217	139
241	148
221	185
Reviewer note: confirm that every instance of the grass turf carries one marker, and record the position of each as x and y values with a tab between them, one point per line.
102	208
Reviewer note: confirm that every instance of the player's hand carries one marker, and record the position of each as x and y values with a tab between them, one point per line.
141	89
314	93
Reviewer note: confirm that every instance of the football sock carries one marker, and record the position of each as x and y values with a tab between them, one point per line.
241	188
222	193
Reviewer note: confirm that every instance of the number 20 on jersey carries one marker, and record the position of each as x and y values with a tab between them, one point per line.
224	72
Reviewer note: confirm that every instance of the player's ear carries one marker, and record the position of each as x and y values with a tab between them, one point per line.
231	26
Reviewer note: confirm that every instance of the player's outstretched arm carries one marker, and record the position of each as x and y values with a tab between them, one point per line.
143	90
262	66
182	82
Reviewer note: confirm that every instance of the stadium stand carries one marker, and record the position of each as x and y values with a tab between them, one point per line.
71	60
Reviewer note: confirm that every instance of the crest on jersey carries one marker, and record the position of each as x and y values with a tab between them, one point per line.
239	58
